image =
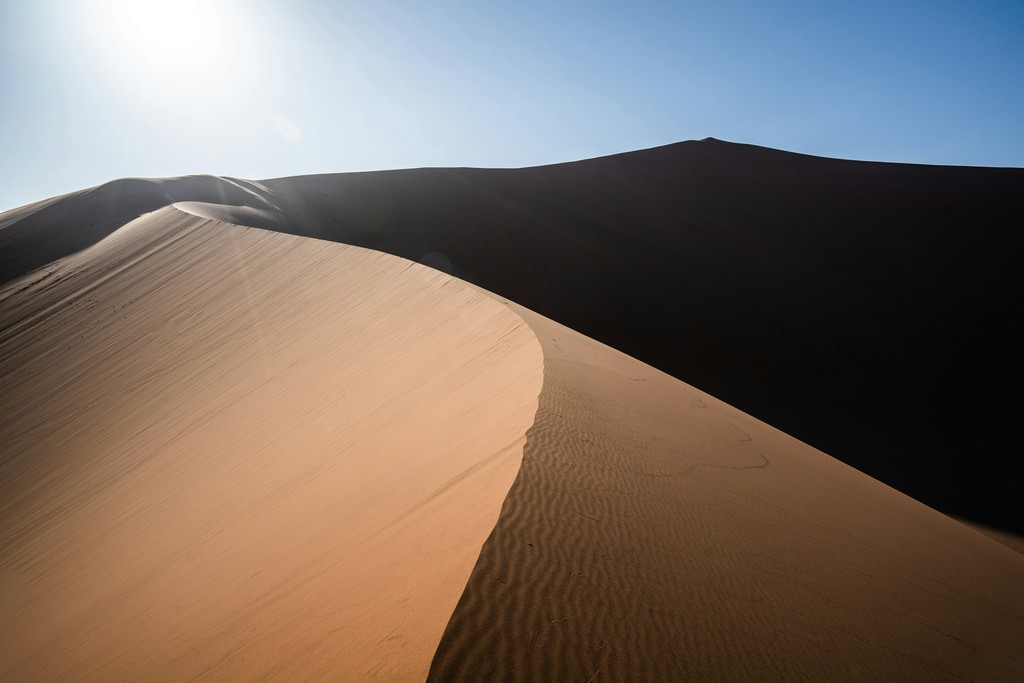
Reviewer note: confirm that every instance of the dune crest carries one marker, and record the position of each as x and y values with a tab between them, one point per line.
235	454
840	301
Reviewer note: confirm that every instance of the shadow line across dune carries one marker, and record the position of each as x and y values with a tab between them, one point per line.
859	306
655	533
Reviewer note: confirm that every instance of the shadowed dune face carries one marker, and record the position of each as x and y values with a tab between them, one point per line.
655	533
236	454
864	308
861	307
231	454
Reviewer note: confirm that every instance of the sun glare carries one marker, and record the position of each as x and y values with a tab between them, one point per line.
173	36
178	35
167	53
189	44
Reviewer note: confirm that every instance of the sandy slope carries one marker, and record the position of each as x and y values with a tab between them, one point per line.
840	301
843	302
37	234
655	533
231	454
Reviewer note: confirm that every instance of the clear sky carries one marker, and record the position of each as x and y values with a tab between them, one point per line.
92	90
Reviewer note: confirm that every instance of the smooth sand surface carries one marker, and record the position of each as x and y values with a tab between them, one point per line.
655	533
1011	541
230	454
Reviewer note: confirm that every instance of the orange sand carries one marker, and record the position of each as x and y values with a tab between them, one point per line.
232	454
229	453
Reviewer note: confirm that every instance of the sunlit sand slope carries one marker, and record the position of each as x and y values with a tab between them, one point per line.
234	454
840	301
230	454
657	534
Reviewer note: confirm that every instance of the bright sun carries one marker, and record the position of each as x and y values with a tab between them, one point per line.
168	53
175	36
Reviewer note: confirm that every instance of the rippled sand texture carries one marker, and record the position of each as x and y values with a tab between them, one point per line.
657	534
231	454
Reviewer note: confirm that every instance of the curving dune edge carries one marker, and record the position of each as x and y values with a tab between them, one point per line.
231	453
656	533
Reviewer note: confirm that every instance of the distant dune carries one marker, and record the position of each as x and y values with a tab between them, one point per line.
233	453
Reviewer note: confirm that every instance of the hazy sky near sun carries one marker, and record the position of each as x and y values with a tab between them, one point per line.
92	90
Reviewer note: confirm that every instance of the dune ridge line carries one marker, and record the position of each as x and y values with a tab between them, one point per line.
652	532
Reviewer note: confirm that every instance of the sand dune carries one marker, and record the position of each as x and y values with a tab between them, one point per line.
847	303
861	307
231	454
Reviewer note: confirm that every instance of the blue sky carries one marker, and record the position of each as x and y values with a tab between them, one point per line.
261	89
